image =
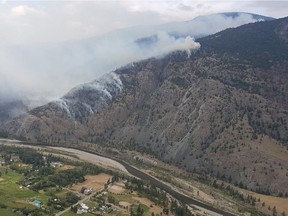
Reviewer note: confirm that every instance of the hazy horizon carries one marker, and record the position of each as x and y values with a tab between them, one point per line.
43	68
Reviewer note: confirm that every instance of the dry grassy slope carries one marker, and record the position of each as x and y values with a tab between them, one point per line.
206	125
217	112
46	124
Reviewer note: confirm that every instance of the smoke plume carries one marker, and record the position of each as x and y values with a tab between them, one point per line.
43	72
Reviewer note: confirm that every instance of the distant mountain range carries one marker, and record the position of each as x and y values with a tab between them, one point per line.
203	25
222	112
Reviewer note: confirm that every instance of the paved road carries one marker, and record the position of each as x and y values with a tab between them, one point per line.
86	198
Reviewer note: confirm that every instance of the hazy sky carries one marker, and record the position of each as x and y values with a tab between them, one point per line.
48	71
46	21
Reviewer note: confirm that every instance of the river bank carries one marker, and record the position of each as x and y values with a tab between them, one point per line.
123	166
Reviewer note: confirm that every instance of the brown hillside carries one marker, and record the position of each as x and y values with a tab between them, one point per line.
223	111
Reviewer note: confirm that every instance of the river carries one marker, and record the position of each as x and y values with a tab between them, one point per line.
123	166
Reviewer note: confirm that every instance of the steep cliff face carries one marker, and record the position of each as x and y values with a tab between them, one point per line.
223	111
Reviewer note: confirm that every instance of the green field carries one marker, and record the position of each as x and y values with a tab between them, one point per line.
12	196
50	186
7	212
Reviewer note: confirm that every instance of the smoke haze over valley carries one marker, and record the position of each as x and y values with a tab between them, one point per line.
41	72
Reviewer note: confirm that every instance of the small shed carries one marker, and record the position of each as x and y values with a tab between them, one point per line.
38	203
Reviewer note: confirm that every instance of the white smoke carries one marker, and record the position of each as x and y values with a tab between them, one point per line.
167	44
47	71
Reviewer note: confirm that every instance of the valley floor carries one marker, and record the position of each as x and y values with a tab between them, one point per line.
213	194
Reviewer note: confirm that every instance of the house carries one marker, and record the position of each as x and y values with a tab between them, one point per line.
82	208
107	208
88	191
56	164
14	158
55	201
37	203
103	208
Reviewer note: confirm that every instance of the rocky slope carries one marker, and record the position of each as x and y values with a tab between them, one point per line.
222	112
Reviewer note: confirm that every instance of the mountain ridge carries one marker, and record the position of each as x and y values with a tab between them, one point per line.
60	63
216	113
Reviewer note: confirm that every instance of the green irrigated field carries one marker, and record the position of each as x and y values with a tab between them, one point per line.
12	196
7	212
